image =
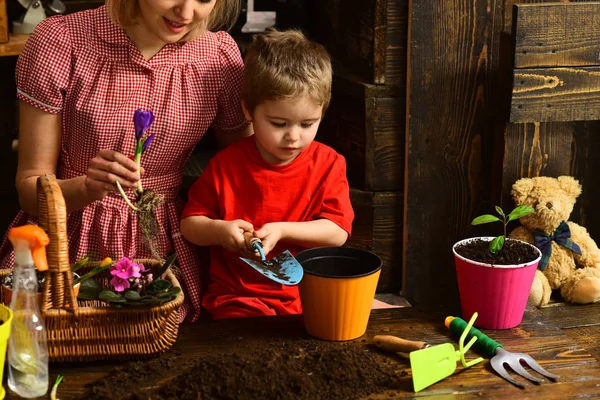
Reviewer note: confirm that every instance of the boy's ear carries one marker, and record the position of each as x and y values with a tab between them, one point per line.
246	112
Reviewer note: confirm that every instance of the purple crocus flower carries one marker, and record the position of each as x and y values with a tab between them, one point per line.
119	284
147	142
142	119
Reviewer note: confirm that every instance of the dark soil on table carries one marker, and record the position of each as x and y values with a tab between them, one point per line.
512	253
309	370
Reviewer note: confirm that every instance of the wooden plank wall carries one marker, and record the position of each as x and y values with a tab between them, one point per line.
453	49
8	159
462	157
366	119
560	43
369	37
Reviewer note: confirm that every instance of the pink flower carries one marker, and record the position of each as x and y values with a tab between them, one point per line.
119	284
126	268
142	268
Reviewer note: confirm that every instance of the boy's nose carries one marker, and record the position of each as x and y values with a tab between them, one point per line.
293	135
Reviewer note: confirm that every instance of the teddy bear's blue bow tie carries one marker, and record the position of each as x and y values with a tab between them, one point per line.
561	236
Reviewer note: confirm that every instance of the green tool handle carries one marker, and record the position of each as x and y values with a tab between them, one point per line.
484	343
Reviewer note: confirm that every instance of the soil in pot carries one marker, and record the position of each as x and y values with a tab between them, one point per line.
280	370
513	252
7	284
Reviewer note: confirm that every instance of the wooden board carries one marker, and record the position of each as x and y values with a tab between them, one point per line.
368	36
369	131
3	22
580	322
579	371
538	148
377	227
557	34
452	100
556	53
555	94
14	46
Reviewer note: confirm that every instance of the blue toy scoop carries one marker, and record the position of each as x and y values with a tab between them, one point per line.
283	268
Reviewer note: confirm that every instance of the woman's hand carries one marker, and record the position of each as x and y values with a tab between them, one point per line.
105	169
270	234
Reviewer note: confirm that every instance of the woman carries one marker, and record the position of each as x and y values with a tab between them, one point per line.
80	79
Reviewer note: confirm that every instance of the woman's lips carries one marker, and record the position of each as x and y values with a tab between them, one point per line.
174	26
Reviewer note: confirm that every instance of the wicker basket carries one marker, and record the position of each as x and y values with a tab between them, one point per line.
93	330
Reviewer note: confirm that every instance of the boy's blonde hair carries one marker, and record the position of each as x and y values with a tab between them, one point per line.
223	16
284	65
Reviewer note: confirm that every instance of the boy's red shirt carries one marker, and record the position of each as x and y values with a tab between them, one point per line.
239	184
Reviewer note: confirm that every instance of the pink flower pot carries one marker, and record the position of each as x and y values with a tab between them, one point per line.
497	292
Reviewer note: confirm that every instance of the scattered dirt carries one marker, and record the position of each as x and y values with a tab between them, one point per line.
306	369
513	252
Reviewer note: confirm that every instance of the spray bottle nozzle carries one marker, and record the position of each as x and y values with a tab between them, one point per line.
30	239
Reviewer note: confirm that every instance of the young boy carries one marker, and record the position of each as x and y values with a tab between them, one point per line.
285	188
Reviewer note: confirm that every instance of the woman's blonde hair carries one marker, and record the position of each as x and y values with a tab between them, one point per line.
223	16
284	65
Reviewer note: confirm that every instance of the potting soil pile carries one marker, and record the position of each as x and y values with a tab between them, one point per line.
309	370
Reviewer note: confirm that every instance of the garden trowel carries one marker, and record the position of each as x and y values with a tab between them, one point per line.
283	268
429	364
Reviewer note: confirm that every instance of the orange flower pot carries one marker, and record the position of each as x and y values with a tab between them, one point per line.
337	291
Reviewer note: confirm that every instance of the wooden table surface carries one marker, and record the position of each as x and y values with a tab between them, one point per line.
558	353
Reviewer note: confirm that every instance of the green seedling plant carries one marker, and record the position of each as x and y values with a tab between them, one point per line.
498	242
59	379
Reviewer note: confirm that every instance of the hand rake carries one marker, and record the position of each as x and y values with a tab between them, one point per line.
499	356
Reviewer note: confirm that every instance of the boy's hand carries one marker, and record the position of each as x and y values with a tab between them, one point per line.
270	234
232	236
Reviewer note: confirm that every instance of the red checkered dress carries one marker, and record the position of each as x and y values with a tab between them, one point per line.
85	67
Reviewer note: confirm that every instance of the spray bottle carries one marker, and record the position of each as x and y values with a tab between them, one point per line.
27	346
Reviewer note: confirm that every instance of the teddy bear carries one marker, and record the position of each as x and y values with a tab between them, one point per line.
570	257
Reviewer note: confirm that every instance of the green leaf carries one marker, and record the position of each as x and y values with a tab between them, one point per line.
499	211
82	295
110	296
132	295
159	285
152	299
496	244
80	264
166	295
520	212
89	289
159	273
93	272
89	284
484	219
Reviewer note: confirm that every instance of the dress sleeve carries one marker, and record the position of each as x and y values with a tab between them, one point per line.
336	205
230	116
44	66
203	195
